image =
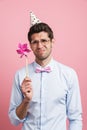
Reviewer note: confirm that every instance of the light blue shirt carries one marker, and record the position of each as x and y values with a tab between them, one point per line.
56	97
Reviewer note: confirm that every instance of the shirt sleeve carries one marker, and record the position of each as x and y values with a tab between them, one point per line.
16	99
74	108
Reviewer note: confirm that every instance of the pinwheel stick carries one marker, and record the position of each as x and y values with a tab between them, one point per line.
27	71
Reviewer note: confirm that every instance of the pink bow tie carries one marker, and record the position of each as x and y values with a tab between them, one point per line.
46	69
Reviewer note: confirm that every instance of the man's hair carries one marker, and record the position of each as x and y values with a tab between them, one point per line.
39	27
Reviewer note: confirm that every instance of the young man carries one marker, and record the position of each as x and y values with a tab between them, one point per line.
50	95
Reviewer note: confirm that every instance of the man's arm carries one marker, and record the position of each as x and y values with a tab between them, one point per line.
74	108
26	89
20	97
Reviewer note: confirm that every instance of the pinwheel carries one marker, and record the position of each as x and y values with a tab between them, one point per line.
23	50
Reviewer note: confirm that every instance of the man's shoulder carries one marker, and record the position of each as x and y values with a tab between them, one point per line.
66	69
62	66
22	70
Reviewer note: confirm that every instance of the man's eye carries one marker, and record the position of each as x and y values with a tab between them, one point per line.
34	42
44	40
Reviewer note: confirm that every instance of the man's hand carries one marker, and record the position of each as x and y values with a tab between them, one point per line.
26	89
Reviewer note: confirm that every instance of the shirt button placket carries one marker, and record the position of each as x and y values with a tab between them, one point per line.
42	100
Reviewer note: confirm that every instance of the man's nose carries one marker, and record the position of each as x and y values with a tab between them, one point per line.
40	45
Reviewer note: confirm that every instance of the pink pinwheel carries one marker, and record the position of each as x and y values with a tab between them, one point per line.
22	49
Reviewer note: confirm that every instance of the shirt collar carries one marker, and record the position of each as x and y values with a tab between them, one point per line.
50	64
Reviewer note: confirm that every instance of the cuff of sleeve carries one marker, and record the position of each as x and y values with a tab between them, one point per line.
17	118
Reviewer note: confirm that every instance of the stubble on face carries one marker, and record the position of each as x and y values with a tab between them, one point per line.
46	52
42	52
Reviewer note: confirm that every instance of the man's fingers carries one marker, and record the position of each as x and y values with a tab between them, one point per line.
27	79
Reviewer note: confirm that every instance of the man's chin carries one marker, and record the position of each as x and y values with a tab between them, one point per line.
42	57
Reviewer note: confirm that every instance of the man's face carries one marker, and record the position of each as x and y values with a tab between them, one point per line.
41	45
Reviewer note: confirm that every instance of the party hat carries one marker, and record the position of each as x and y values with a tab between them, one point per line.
33	19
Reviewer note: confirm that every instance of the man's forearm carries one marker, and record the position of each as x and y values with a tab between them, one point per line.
21	110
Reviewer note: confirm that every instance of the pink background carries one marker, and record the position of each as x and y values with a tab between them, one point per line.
68	18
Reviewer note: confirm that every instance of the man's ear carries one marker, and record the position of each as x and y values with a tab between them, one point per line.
53	41
30	45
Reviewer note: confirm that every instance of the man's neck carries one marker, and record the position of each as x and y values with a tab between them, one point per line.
44	62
